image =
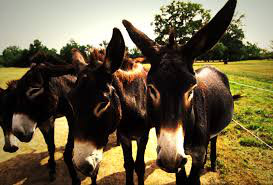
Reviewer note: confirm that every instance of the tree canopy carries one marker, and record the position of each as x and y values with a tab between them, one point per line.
184	17
65	51
11	54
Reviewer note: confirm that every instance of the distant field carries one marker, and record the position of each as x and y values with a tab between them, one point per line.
241	158
10	73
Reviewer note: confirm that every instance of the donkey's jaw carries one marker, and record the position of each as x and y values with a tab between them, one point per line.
87	157
171	154
23	127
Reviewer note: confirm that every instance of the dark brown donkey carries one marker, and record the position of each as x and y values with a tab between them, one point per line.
39	98
107	97
189	107
7	102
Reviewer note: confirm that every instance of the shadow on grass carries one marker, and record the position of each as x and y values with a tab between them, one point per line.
26	169
203	172
120	177
150	168
171	183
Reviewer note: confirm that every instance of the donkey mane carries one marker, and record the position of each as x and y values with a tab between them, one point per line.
96	55
130	69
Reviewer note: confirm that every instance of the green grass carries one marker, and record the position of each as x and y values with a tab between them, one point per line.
10	73
241	158
250	141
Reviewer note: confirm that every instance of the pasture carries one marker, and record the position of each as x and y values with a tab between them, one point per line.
241	159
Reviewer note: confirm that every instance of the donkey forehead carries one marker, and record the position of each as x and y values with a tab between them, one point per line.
172	69
33	76
172	61
170	55
94	75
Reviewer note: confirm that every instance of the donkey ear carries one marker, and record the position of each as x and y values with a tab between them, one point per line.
114	52
209	35
147	46
78	60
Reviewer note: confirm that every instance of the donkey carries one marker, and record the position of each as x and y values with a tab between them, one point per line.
6	101
39	98
110	96
189	108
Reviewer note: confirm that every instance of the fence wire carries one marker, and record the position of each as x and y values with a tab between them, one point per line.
251	86
252	134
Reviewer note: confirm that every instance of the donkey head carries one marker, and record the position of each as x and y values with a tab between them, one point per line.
35	101
171	82
96	104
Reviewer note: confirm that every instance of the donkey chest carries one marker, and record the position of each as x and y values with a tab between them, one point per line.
132	125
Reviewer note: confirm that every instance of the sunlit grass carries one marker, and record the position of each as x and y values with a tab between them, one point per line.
10	73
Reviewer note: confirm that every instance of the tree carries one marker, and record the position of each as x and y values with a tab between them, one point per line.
66	54
104	44
185	17
2	61
230	46
37	46
233	39
10	55
134	52
252	51
216	53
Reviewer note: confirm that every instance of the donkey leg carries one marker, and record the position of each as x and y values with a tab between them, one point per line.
213	153
66	107
118	137
203	170
181	176
198	157
68	158
139	163
47	129
94	179
126	145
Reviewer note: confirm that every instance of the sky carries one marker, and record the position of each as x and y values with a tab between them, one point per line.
55	22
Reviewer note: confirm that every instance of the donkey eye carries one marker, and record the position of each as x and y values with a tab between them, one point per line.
190	92
154	94
33	92
100	108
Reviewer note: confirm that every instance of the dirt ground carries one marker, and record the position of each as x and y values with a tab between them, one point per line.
28	166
